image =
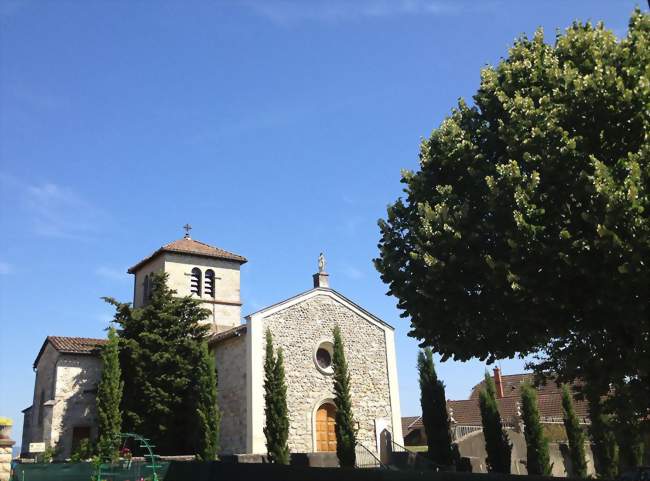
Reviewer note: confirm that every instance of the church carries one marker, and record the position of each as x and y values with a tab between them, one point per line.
68	368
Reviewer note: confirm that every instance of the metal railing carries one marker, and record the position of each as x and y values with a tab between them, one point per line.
458	432
365	458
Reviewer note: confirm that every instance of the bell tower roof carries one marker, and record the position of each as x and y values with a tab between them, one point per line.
186	245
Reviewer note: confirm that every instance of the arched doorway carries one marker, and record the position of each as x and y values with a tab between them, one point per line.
325	422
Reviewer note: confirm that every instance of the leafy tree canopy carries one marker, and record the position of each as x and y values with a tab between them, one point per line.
526	228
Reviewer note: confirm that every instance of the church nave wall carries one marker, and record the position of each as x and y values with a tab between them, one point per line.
230	359
299	329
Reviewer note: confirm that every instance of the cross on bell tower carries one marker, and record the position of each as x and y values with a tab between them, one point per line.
187	228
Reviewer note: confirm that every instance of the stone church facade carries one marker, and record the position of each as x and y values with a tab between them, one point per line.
301	325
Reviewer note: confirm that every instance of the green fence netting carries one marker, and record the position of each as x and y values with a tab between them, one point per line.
134	471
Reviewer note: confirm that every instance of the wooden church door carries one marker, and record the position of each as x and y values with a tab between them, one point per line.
325	422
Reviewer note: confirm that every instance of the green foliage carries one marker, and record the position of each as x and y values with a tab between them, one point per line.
575	435
50	453
628	428
109	397
346	437
161	345
526	227
434	411
603	441
207	409
276	429
83	452
497	446
537	456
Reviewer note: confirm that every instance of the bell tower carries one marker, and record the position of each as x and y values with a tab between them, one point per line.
199	270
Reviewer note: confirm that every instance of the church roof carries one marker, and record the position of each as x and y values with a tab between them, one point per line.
71	345
220	336
187	245
325	290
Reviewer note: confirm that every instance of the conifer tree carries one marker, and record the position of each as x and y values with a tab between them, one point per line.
109	397
497	446
207	409
276	429
434	411
575	435
537	455
345	429
161	347
603	440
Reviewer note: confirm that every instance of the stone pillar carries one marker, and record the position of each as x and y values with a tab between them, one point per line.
6	449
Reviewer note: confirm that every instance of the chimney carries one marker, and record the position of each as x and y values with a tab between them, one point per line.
498	382
321	279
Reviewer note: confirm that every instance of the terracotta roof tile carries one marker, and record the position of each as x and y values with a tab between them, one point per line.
71	345
406	424
191	246
220	336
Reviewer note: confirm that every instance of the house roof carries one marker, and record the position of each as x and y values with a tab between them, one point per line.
187	245
407	421
512	385
466	412
71	345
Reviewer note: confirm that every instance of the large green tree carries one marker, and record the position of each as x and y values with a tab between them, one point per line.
345	429
497	445
109	398
163	367
435	417
526	226
538	460
575	434
276	428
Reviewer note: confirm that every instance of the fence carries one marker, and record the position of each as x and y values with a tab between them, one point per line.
365	458
127	471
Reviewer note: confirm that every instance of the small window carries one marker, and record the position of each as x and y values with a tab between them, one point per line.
195	281
209	283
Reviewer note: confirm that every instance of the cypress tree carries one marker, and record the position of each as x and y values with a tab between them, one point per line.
537	456
276	429
627	426
345	428
161	347
109	397
206	406
603	441
497	446
434	411
575	435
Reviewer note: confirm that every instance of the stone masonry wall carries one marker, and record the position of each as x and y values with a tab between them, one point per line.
230	359
299	329
77	379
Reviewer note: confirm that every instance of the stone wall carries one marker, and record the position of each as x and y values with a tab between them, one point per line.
472	446
36	424
299	330
76	382
230	359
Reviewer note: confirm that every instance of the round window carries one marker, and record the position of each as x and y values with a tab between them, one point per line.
323	357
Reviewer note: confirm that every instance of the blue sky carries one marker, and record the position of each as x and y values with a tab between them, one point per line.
276	128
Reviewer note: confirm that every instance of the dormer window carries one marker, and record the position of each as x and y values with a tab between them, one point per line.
209	283
195	281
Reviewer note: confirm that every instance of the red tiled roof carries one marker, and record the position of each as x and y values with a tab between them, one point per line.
71	345
194	247
466	412
512	385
